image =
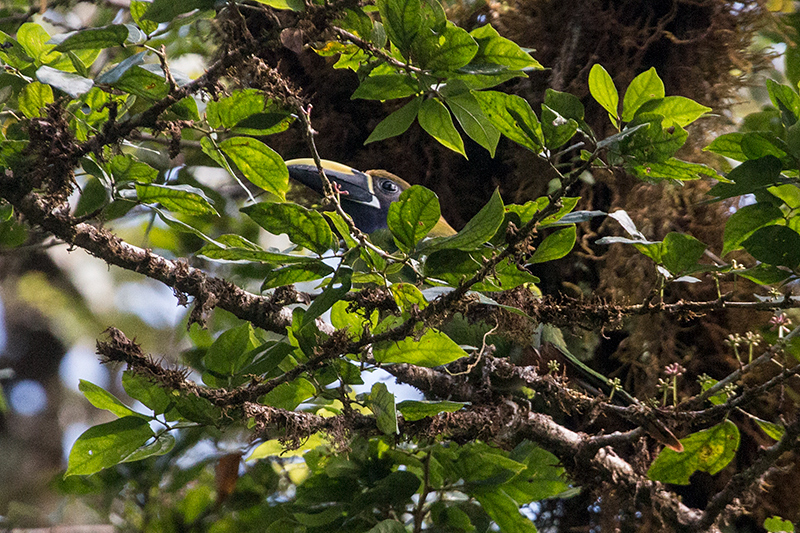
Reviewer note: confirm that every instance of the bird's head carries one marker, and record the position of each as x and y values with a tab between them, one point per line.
365	196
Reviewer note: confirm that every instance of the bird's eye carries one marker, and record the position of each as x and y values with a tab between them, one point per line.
389	186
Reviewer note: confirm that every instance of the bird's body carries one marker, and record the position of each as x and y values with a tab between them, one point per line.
365	196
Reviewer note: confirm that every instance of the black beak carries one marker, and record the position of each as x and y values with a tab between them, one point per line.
354	185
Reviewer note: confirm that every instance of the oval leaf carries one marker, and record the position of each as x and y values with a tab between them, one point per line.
177	198
305	227
555	246
435	119
434	348
259	163
413	215
603	90
107	445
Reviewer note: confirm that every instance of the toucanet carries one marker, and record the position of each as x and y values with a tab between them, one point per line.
365	196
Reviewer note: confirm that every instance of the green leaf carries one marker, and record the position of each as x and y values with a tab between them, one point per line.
672	169
494	49
291	274
408	297
226	356
388	526
413	410
764	274
319	518
33	98
161	446
342	318
402	20
644	87
435	119
676	110
237	248
168	10
555	246
542	478
305	227
413	216
709	451
143	83
147	391
476	232
396	123
468	112
107	445
101	37
776	524
744	146
72	84
33	38
125	168
341	228
259	163
138	9
653	144
745	221
565	104
749	177
788	193
774	431
103	399
196	409
395	489
453	266
504	511
382	404
774	245
386	87
601	86
680	252
275	120
229	111
478	77
184	109
294	5
12	53
449	50
183	199
513	117
786	100
556	129
434	348
289	395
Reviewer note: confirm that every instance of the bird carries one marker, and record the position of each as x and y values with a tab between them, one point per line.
365	196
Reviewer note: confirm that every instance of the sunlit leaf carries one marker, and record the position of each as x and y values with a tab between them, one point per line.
709	450
417	410
602	88
644	87
259	163
177	198
434	348
108	444
103	399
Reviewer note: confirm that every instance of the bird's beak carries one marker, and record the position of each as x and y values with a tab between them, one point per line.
354	185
